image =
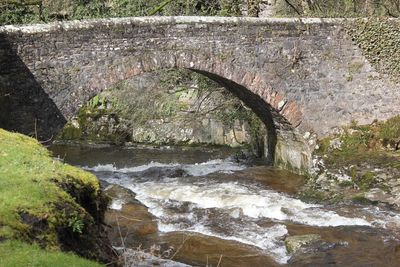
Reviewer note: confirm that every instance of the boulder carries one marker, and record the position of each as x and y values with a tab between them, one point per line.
295	243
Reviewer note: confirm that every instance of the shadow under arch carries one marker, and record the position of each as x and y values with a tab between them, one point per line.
257	105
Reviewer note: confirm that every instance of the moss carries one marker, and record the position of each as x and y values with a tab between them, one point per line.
389	132
70	132
385	187
313	195
16	253
99	121
346	183
324	145
364	144
365	181
361	199
36	205
362	150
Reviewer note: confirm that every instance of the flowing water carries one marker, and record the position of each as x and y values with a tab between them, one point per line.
239	211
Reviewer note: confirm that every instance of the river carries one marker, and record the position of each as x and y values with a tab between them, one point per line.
216	210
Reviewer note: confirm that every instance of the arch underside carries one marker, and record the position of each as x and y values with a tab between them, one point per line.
284	145
279	115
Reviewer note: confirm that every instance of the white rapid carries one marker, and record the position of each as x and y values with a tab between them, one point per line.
234	210
198	169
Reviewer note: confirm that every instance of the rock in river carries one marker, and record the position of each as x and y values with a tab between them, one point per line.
294	243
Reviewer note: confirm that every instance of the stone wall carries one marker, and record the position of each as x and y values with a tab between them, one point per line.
299	76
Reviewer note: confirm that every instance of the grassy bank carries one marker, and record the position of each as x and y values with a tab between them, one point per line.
44	202
16	253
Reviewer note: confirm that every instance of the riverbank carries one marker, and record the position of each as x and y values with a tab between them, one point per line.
47	208
360	163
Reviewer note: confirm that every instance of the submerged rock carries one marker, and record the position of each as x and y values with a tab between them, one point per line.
162	172
129	220
377	194
295	243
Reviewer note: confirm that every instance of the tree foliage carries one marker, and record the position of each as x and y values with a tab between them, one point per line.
28	11
340	8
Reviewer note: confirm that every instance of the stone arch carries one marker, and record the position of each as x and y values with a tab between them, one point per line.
284	146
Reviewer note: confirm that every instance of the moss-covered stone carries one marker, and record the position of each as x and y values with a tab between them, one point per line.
43	201
389	132
359	164
359	144
294	243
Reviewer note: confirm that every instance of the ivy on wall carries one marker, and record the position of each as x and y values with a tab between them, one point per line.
379	40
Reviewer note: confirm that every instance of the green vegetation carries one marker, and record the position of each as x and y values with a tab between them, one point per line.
376	143
16	253
85	128
358	146
364	143
311	195
44	201
360	199
365	181
379	39
390	132
31	11
338	8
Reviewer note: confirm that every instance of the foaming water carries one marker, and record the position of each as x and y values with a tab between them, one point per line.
250	201
229	203
198	169
195	204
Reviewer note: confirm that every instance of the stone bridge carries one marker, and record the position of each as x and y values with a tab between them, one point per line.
303	77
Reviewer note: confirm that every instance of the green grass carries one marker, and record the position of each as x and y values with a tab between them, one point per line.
28	183
34	203
16	254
